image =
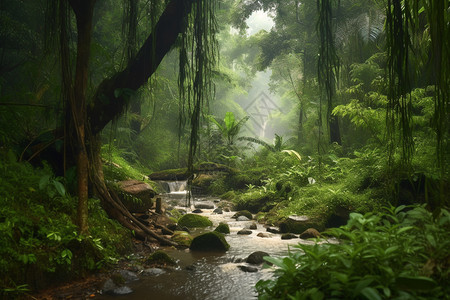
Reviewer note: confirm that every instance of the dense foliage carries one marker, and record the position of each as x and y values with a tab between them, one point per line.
399	254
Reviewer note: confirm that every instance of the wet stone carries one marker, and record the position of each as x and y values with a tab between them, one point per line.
153	271
264	235
273	230
244	232
242	218
248	269
288	236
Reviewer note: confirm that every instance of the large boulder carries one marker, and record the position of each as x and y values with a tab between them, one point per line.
210	241
194	221
298	224
137	196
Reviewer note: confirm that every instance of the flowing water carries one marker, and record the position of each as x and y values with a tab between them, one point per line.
212	275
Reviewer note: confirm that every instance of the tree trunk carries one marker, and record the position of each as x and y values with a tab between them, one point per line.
335	133
84	12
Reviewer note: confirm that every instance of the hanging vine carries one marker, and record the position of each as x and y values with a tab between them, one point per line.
197	59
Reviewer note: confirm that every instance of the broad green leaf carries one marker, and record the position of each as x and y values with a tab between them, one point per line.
403	229
60	188
370	293
229	120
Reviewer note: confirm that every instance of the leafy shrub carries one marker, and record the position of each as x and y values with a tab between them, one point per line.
399	254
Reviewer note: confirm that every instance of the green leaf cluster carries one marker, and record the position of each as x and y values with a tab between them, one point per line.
399	254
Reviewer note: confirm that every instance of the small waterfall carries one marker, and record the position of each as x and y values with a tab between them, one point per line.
177	186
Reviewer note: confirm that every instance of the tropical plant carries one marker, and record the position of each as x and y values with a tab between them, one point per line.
406	259
230	128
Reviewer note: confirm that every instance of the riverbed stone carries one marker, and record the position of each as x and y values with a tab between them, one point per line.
160	257
248	269
310	233
244	232
242	218
110	287
128	276
243	213
273	230
288	236
153	271
253	226
223	228
256	257
194	221
197	211
298	224
218	211
182	238
204	205
264	235
210	241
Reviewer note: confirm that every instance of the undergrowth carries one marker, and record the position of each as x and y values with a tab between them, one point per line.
40	244
399	254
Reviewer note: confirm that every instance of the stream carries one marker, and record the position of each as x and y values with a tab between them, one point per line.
201	275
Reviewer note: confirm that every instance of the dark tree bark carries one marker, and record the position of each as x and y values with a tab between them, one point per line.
106	106
84	11
110	101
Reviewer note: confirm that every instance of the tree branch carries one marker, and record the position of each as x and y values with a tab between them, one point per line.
106	106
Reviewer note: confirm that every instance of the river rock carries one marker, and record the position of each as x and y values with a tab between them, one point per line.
194	221
218	211
160	257
288	236
128	276
256	257
210	241
197	211
298	224
253	226
109	287
310	233
204	205
182	238
130	189
243	213
248	268
153	271
244	232
264	235
223	228
273	230
242	218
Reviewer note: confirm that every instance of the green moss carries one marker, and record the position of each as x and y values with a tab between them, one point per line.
170	174
194	221
160	258
210	241
182	238
244	213
223	228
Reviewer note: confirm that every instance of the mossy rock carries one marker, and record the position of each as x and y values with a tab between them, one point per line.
244	213
182	238
298	224
160	258
194	221
210	241
223	228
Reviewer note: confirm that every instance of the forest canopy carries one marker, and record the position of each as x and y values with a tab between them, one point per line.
334	106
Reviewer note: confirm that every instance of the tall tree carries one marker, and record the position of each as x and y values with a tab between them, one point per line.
112	95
